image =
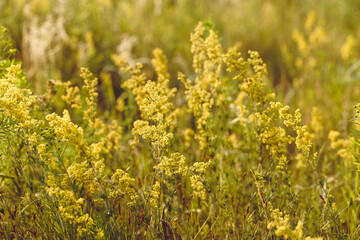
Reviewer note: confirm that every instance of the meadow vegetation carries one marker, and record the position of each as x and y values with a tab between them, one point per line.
143	120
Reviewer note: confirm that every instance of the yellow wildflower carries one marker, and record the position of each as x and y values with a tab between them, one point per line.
317	36
341	145
304	139
310	20
347	49
160	63
14	101
91	99
301	42
283	228
70	207
114	136
120	104
175	164
72	96
43	154
66	130
316	120
122	185
198	169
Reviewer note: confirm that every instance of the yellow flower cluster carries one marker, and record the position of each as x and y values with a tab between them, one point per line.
137	79
188	136
198	169
114	135
314	37
207	55
72	97
316	121
268	113
198	186
252	85
81	173
341	145
14	101
72	94
70	207
91	99
44	155
160	63
242	113
301	42
347	49
284	229
153	99
120	104
156	134
89	173
200	103
155	194
65	129
122	186
157	103
304	140
275	138
175	164
204	92
99	127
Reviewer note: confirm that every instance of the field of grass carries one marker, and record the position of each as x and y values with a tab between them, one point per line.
179	119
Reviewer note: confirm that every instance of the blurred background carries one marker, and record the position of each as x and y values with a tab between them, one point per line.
311	48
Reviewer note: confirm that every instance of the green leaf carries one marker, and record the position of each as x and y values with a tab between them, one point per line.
7	124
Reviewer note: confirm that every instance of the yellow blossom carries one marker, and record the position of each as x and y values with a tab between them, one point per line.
304	140
283	228
160	63
91	99
175	164
70	207
198	169
14	101
66	130
341	145
310	20
122	185
274	138
72	96
43	154
301	42
347	49
317	36
316	120
114	136
120	104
